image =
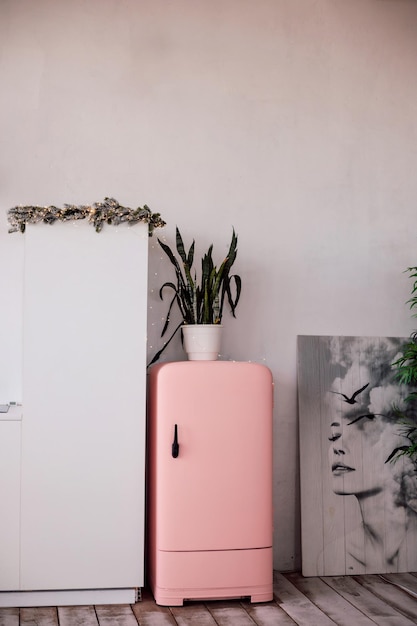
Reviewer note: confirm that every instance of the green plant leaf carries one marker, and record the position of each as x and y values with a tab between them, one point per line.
180	245
166	344
171	304
406	374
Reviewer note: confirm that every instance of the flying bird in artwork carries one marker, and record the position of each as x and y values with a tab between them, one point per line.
352	399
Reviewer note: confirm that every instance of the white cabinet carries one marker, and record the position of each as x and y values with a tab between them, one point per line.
83	427
10	430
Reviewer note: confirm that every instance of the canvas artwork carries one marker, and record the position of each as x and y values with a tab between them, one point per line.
358	511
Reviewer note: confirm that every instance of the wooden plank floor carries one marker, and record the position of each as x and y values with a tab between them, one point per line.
388	600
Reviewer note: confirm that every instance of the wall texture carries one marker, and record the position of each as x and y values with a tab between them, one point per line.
293	121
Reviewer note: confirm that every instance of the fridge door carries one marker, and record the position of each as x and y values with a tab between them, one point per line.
217	493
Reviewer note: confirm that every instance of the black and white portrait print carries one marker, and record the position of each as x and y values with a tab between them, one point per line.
359	512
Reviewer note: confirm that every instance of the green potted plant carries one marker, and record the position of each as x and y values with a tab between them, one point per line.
200	300
406	373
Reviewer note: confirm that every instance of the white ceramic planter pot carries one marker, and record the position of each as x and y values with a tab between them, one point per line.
202	341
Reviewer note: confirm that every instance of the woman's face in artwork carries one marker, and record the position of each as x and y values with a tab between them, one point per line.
362	435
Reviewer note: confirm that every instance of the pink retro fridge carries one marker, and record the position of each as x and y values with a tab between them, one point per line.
209	481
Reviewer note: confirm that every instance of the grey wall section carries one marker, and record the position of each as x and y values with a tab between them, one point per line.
294	122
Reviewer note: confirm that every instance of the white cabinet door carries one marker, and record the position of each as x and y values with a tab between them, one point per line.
9	504
84	381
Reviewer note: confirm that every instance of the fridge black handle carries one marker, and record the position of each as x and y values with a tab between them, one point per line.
175	444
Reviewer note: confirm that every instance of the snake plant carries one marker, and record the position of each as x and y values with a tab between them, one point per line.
200	299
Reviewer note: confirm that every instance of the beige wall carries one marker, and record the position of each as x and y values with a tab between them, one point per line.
294	121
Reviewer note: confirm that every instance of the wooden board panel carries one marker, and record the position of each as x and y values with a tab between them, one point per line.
150	614
358	516
407	582
329	601
401	601
377	610
269	614
43	616
229	614
9	617
116	615
193	615
297	606
77	616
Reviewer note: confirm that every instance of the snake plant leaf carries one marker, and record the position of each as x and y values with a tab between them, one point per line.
231	255
173	260
233	302
171	304
187	258
190	255
168	252
217	277
170	255
207	264
180	245
166	344
189	278
227	291
167	284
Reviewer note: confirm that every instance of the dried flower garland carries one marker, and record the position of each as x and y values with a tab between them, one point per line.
107	212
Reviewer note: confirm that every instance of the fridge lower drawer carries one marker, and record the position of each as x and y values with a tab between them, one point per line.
179	576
